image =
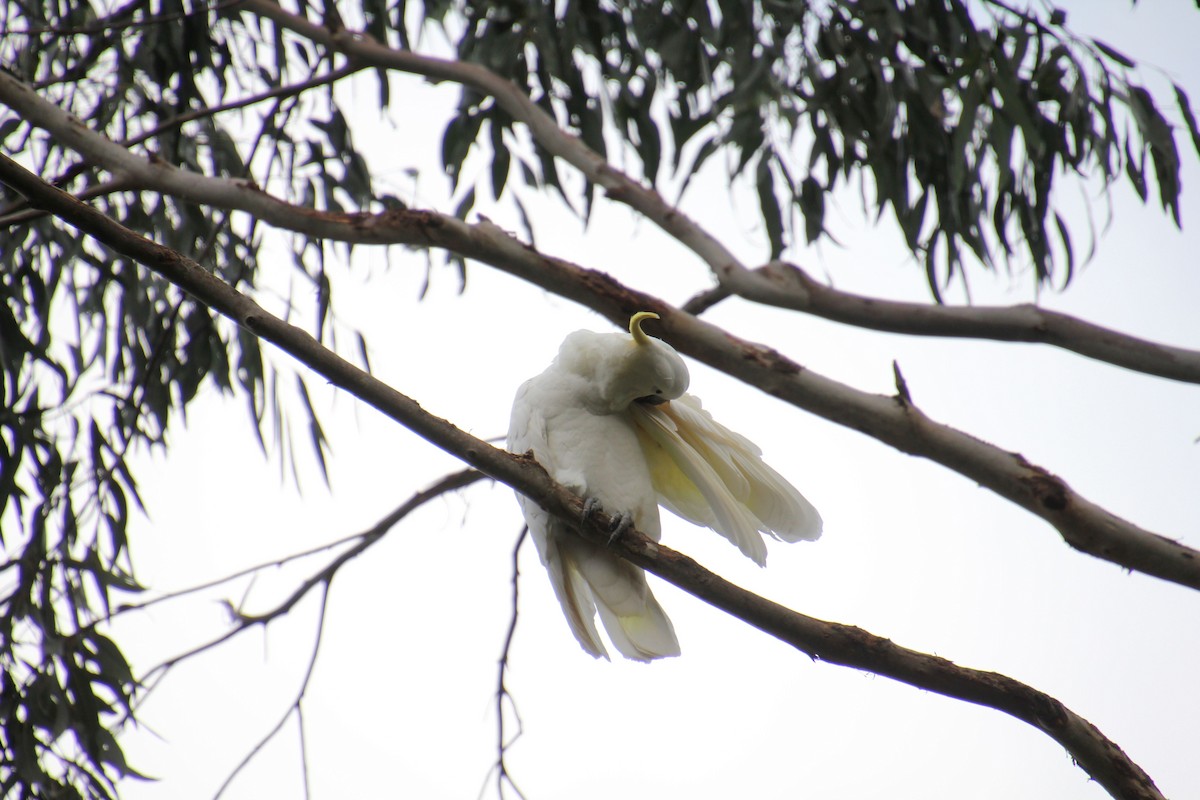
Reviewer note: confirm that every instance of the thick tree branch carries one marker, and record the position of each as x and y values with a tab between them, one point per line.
1022	323
1083	524
777	284
1102	759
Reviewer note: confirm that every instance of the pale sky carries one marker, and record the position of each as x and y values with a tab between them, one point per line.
401	700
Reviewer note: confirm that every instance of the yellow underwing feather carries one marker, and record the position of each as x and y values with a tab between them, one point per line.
785	512
733	520
714	477
677	493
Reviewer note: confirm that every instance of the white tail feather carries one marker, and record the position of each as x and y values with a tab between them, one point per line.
588	579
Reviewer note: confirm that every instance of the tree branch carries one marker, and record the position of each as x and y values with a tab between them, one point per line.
1083	524
13	214
1102	759
788	286
361	47
323	578
295	707
777	284
1022	323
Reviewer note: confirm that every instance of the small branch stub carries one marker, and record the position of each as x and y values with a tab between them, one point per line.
902	394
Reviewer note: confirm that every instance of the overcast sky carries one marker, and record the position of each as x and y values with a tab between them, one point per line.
401	700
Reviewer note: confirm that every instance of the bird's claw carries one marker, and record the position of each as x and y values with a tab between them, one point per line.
590	506
621	523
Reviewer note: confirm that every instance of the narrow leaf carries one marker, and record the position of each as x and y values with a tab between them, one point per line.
1185	108
769	205
1114	54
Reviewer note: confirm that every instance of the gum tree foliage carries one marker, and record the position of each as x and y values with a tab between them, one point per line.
958	120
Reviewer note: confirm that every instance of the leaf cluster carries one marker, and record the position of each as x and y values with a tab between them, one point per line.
962	117
98	357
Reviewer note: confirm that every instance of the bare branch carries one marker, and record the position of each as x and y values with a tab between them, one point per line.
853	647
323	578
788	286
1102	759
125	608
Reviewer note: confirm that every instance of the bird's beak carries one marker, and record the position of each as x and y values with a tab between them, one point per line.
652	400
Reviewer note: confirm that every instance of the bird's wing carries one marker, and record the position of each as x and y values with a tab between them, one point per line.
715	477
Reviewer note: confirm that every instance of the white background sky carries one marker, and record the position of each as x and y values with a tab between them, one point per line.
401	700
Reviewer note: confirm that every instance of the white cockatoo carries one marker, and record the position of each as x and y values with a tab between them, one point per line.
610	420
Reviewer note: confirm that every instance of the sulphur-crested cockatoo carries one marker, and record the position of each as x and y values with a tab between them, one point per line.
609	419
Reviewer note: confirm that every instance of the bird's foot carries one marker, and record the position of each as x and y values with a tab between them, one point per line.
590	506
621	523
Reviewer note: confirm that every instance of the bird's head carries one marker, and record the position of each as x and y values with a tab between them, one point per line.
644	369
619	370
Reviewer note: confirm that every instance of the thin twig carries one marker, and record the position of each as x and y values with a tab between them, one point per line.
295	706
452	482
503	742
304	770
210	584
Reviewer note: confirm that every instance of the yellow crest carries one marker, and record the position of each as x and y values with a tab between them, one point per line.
635	326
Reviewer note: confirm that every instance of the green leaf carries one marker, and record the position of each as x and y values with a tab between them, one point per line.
316	434
1065	236
1156	132
812	206
501	159
526	225
363	351
459	135
768	203
1185	108
706	149
1016	103
465	205
1114	54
